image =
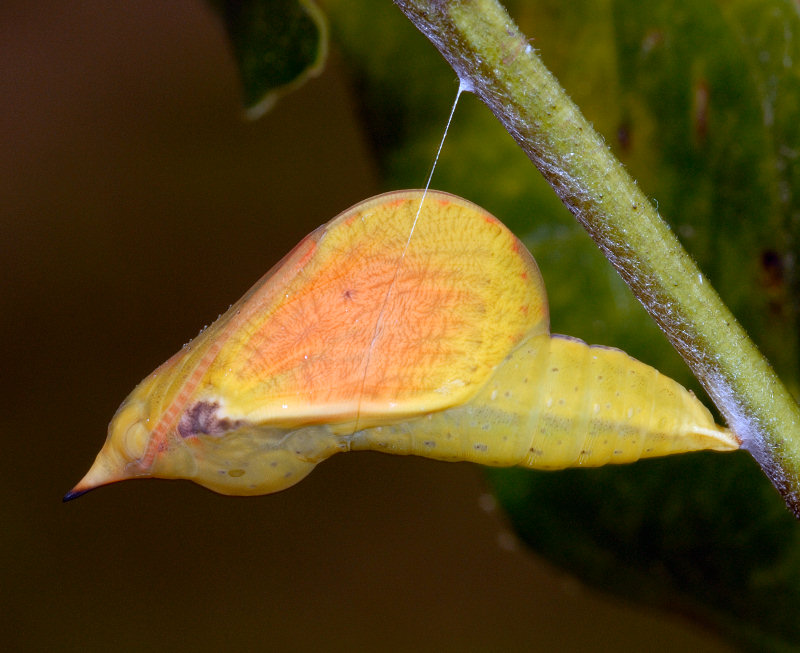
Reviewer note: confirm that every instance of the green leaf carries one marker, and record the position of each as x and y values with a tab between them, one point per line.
278	45
700	100
703	535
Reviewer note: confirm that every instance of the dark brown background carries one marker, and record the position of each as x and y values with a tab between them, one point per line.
135	205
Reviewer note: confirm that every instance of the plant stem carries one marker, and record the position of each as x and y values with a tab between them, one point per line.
495	61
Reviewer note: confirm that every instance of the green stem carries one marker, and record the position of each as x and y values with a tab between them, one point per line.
495	61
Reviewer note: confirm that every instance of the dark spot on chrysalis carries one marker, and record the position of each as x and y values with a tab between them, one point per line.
201	418
347	295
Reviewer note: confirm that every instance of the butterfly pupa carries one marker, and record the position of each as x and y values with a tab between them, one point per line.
363	338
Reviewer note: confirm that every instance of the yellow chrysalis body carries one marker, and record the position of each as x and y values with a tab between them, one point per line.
557	402
436	344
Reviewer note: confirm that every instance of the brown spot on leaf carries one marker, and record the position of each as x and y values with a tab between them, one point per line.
624	137
700	106
772	268
772	278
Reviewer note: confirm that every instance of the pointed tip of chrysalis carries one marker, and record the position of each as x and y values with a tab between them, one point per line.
87	484
105	470
74	494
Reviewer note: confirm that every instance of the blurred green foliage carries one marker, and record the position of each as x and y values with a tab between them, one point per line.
277	45
700	100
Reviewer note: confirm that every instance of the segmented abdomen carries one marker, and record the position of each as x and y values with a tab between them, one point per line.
598	405
557	402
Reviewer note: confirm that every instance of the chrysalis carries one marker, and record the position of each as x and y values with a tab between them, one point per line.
362	338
